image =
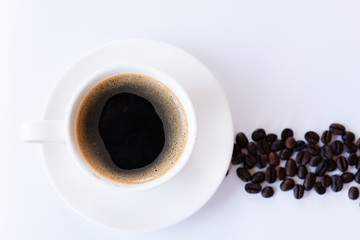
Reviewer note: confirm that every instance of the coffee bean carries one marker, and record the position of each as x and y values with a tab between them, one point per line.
326	152
302	171
238	159
287	184
270	174
262	161
299	145
326	137
326	181
252	187
322	168
347	177
298	191
337	129
302	157
290	143
350	147
313	149
258	134
353	193
348	136
274	159
290	168
243	174
357	177
353	159
287	132
315	160
236	150
267	192
277	145
342	163
271	137
285	154
358	164
252	148
336	183
281	173
250	161
242	140
319	188
312	137
331	165
258	177
309	181
263	146
358	143
337	148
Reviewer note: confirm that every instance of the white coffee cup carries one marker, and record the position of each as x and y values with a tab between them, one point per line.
64	131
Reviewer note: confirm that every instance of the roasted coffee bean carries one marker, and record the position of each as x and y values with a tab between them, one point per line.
322	168
302	171
350	147
326	181
331	165
252	187
250	161
347	177
313	149
337	129
242	140
251	147
353	193
358	163
358	143
243	174
262	161
357	177
302	157
271	137
299	145
312	137
315	160
287	184
274	159
285	154
326	137
277	145
270	174
290	143
267	192
348	136
258	177
336	183
298	191
353	159
309	181
319	188
290	168
263	146
258	134
342	163
238	159
287	132
281	173
326	152
337	148
236	150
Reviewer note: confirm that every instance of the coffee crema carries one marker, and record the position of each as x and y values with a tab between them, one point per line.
131	128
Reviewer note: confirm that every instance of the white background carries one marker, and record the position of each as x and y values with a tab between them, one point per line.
281	63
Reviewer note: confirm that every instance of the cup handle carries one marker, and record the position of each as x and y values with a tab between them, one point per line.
46	131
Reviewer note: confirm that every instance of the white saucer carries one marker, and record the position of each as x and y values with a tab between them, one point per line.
184	194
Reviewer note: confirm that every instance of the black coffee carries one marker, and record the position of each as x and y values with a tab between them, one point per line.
131	128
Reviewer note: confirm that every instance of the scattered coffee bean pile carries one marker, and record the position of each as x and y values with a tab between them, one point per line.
311	161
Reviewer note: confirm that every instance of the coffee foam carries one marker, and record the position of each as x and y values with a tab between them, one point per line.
166	105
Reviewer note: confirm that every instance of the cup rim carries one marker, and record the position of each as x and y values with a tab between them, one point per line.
116	69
